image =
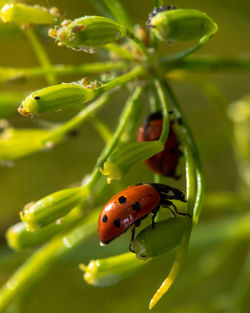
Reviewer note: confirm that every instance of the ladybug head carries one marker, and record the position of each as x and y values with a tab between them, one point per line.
168	192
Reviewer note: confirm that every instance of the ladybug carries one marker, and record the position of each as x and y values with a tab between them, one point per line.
166	161
129	206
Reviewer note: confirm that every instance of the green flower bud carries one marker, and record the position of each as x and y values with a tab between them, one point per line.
19	238
169	23
125	156
55	98
109	271
52	207
9	103
16	143
23	14
166	235
88	31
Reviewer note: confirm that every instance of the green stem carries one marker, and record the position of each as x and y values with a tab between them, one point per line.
209	63
158	3
58	133
121	52
140	45
101	127
124	119
182	250
87	68
123	79
117	10
165	128
43	259
40	53
194	185
182	54
28	274
187	134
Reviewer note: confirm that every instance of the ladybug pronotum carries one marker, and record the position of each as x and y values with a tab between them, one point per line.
166	161
129	206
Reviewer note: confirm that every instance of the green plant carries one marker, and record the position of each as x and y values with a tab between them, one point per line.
141	65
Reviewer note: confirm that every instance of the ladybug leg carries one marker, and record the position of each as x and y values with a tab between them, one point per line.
174	175
137	223
170	203
171	211
155	210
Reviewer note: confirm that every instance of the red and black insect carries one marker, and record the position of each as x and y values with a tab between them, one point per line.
158	10
131	205
166	161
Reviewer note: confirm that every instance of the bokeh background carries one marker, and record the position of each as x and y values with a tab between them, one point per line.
62	289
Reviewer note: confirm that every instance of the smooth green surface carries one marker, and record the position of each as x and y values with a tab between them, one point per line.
62	289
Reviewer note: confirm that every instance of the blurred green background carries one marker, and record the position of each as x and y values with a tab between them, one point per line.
62	289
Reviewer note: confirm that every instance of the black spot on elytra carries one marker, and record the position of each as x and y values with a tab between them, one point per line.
37	98
105	218
172	151
136	206
117	223
122	199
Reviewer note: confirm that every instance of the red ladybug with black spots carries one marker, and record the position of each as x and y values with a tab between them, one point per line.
131	205
166	161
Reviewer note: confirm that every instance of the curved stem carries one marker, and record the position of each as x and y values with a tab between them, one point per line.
58	133
123	79
194	185
182	251
45	257
40	53
165	128
182	54
119	13
42	260
124	119
101	127
189	141
139	44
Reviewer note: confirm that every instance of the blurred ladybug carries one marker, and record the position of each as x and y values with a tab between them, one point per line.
131	205
166	161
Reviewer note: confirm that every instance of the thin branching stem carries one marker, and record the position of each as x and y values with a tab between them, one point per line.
86	68
194	186
190	142
161	94
123	79
121	15
59	132
40	53
209	63
183	54
123	122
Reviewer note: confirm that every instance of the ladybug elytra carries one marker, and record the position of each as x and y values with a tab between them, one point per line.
131	205
166	161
